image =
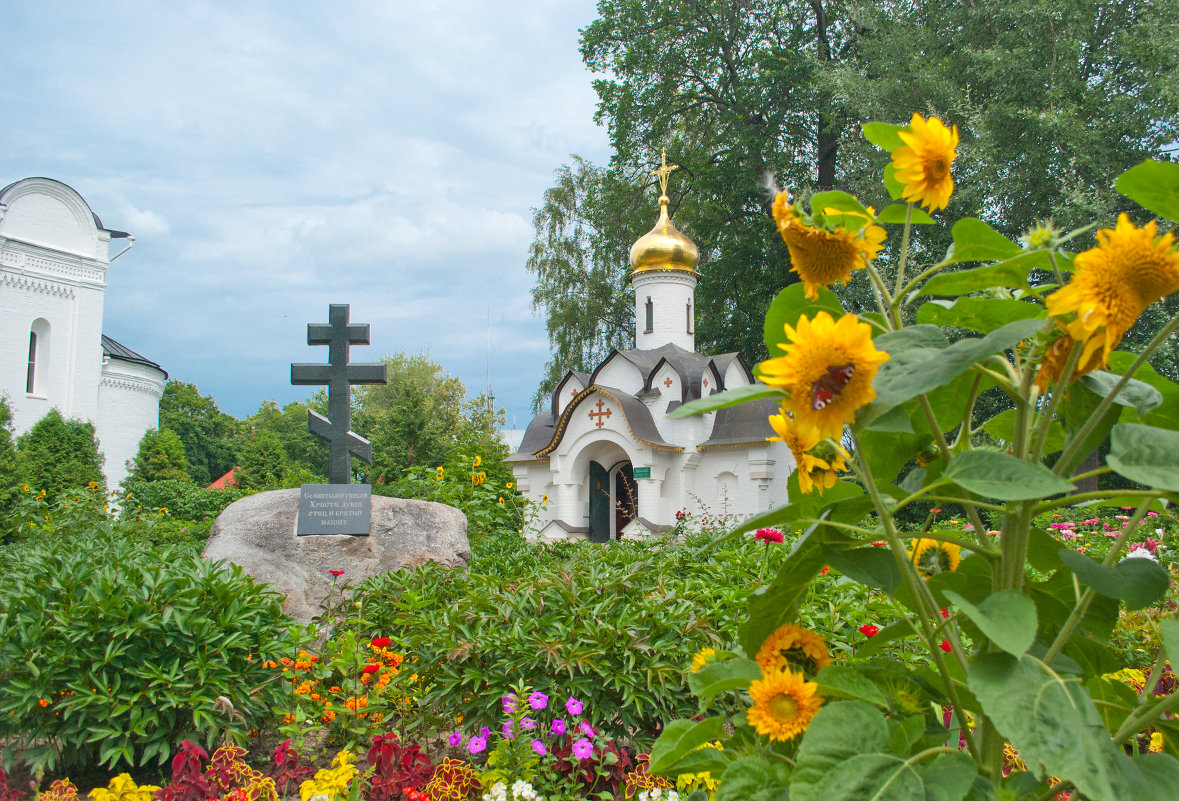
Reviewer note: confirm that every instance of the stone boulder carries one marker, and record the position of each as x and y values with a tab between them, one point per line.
258	533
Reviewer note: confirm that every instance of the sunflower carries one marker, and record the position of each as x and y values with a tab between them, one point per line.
705	656
828	369
1054	360
821	256
793	647
923	162
1129	269
813	471
784	703
934	556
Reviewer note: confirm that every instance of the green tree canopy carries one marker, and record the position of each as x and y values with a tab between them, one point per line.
264	463
8	473
419	418
160	458
207	432
1052	101
58	454
289	424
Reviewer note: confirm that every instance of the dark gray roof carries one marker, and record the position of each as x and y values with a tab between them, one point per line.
690	366
538	434
582	378
742	425
113	350
635	414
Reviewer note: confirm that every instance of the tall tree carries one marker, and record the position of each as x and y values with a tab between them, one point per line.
8	473
1052	100
289	424
208	433
160	458
58	454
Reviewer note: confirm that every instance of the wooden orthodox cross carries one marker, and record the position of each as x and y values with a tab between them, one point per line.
339	375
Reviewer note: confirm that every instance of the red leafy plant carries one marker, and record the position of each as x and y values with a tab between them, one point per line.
286	772
396	768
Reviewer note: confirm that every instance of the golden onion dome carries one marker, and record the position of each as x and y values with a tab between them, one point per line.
664	247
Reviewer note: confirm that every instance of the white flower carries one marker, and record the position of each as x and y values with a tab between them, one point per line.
1140	553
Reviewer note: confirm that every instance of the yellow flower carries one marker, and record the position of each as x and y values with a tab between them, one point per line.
1156	742
545	499
813	471
934	556
1129	269
923	162
704	657
478	478
501	501
821	256
793	647
478	460
828	368
508	485
123	788
784	703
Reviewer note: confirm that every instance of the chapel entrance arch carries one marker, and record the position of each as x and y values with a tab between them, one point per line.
625	497
610	493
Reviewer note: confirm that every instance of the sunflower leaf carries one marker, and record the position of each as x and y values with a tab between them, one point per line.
841	681
978	314
678	738
822	202
896	190
1167	413
1007	618
730	397
1145	454
1138	395
1153	185
789	305
718	677
884	135
1137	582
974	240
991	474
896	214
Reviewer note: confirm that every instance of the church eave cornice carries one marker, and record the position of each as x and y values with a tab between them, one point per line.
566	416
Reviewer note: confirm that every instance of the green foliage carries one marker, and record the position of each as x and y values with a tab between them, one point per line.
160	458
420	418
470	485
207	432
56	455
289	425
264	463
9	481
111	652
183	499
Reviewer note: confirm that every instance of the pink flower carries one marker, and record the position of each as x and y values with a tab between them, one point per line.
485	732
509	702
868	630
455	739
583	749
587	729
477	744
1148	514
528	723
1152	544
768	535
538	700
336	572
507	731
573	705
558	727
539	748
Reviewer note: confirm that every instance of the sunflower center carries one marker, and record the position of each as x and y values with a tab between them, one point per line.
937	168
783	707
935	560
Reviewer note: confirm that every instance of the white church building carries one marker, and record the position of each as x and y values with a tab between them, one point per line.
54	257
604	461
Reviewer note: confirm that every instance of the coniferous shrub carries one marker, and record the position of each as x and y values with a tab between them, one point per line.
58	454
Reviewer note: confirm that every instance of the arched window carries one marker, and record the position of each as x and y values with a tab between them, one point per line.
688	308
650	316
37	378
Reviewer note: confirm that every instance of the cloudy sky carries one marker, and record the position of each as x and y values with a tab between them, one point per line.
274	157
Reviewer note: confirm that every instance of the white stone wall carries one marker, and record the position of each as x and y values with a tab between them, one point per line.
128	405
53	262
672	292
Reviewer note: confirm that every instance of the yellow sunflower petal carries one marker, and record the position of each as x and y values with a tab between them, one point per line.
784	703
934	556
923	163
793	647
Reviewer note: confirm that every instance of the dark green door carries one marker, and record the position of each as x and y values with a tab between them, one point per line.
599	503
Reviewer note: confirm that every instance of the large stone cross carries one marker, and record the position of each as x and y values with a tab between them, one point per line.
339	375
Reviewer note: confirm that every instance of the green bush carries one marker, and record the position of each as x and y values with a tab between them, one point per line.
183	499
58	454
614	625
112	652
160	458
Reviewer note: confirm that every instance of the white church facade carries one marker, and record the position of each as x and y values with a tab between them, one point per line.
605	462
54	257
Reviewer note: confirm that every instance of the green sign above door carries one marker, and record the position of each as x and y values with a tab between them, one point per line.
642	472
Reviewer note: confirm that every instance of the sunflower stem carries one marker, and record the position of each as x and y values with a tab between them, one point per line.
1064	462
919	591
898	296
1054	397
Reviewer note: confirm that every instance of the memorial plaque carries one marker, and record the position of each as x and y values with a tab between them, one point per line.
642	472
334	509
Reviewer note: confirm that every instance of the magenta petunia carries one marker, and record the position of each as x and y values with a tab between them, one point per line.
509	702
587	729
477	744
539	748
528	723
583	749
485	732
455	739
507	731
558	727
538	700
573	705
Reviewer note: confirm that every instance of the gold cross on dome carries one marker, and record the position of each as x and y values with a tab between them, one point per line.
664	172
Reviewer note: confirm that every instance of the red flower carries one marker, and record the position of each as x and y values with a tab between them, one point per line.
336	572
945	646
381	642
769	535
371	668
868	630
824	571
878	543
